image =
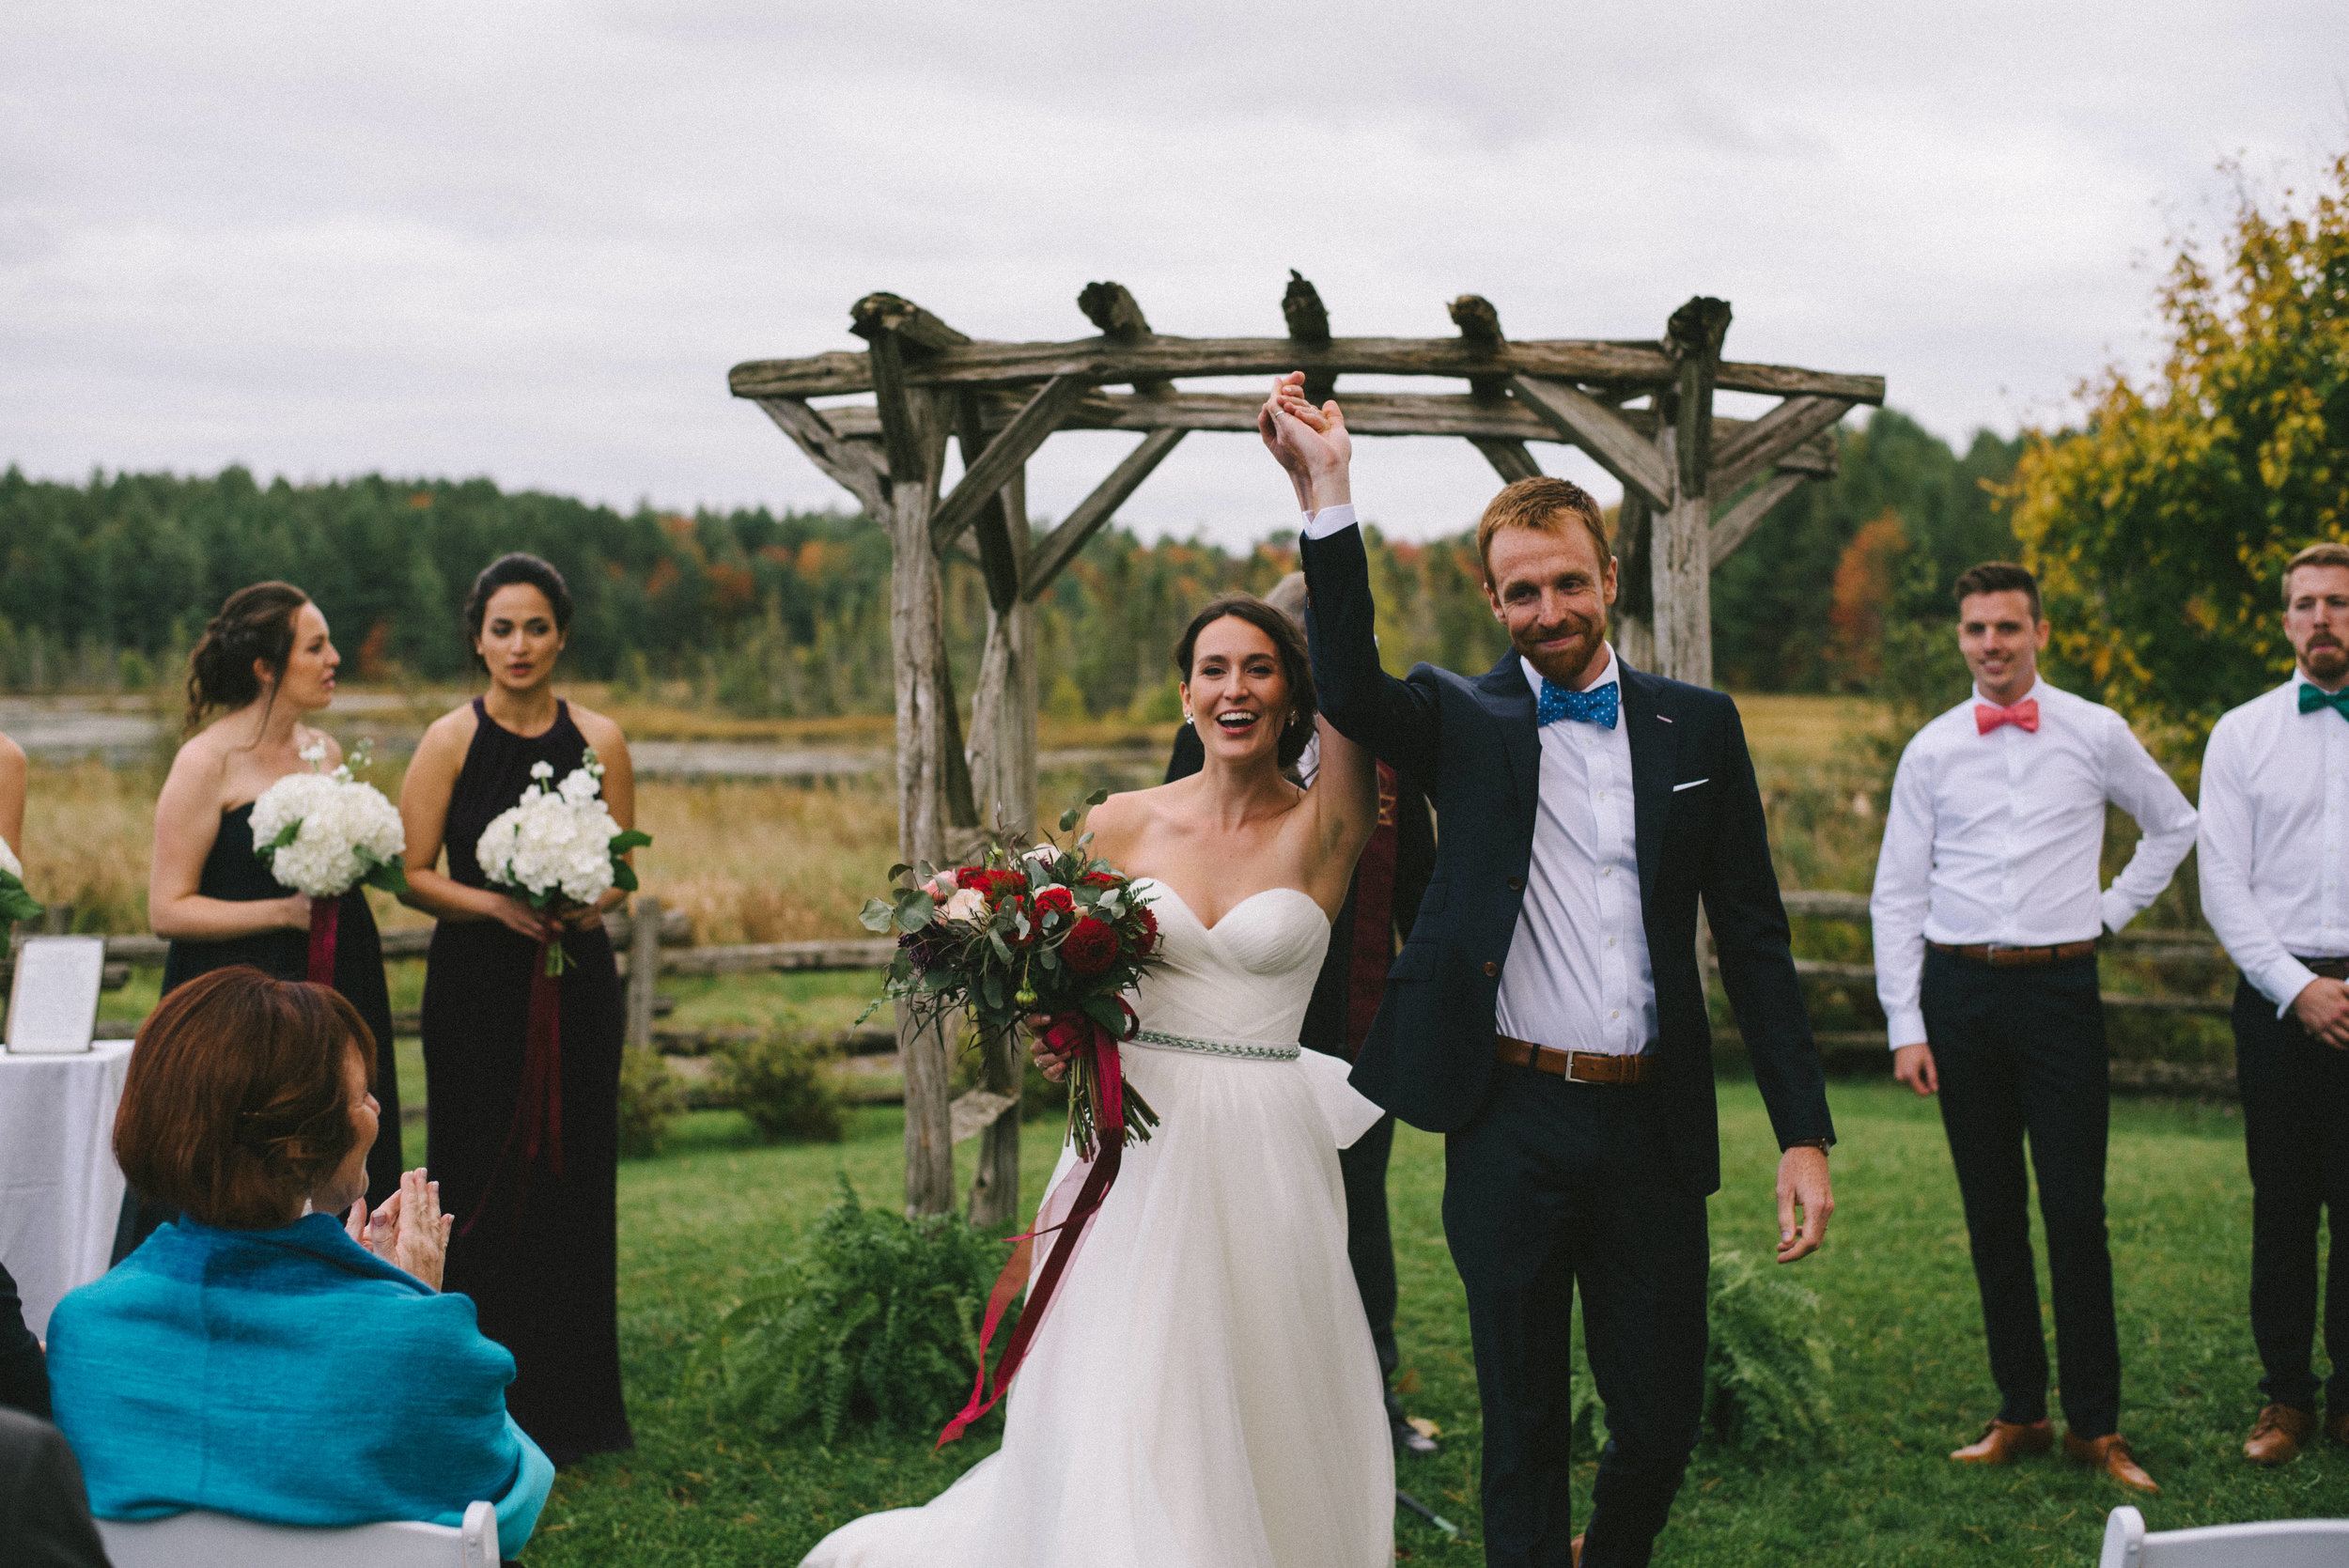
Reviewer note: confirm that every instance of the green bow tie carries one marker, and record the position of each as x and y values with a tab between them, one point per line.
2311	698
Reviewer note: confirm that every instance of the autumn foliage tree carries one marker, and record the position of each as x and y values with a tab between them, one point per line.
1865	582
2159	529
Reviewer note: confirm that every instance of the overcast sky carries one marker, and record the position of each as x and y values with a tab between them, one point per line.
526	241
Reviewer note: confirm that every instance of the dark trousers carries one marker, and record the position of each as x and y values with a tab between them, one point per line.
1555	1187
2295	1131
2021	1054
1370	1244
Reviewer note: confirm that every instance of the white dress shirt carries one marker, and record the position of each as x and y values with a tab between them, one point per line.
1577	977
2275	820
1996	838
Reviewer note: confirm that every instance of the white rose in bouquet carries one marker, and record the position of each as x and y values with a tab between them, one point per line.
559	848
325	833
15	903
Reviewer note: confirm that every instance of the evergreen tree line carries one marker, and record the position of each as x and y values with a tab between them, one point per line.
762	614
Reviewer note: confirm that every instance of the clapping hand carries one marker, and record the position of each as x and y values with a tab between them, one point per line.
409	1232
1310	442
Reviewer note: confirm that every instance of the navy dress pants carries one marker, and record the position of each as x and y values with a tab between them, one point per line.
2295	1131
1557	1187
2021	1057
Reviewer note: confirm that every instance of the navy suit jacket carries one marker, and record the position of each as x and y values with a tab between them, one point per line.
1701	835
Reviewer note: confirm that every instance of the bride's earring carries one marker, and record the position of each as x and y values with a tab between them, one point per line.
1186	716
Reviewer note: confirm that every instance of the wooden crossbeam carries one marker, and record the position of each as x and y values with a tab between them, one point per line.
1367	414
1113	309
1060	547
851	465
1761	445
1002	458
1102	361
1510	459
1603	432
1736	525
875	314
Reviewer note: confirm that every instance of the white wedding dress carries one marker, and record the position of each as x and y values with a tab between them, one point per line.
1203	1393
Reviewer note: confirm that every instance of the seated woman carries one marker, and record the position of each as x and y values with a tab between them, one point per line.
255	1357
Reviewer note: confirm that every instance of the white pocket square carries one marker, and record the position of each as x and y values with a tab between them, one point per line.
1690	785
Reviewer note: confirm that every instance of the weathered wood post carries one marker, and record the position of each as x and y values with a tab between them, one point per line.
914	441
643	968
1680	562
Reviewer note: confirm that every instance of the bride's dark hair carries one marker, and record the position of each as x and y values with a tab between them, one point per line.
255	623
1296	666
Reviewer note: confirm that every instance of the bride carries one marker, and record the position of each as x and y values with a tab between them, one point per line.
1204	1393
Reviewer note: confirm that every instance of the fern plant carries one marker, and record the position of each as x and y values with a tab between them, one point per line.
1766	1369
874	1323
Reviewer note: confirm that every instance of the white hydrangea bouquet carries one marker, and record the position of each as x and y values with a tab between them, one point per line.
15	903
325	833
559	849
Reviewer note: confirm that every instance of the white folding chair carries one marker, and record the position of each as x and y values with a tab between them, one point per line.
2268	1544
199	1539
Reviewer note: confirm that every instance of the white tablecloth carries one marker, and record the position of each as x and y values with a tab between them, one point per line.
60	1190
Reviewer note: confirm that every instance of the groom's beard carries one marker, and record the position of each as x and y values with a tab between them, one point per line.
1561	653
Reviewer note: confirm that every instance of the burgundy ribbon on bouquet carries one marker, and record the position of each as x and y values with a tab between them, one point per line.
539	1109
1071	1035
325	919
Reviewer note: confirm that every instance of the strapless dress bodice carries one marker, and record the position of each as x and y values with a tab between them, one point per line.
1248	977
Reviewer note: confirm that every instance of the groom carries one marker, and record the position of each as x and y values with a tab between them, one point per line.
1546	1014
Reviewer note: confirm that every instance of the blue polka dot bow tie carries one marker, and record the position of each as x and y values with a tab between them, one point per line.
1599	706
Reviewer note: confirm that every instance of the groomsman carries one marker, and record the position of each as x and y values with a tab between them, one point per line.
1987	918
2275	823
1380	905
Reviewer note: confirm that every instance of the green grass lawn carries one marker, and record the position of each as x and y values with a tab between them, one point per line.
1909	1384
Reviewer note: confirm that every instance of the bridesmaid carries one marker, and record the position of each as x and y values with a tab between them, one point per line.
535	1248
267	661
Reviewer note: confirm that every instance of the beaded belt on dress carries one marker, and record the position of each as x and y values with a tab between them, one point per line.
1252	1050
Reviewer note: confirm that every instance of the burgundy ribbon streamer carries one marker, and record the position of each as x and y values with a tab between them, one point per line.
325	919
1072	1034
539	1109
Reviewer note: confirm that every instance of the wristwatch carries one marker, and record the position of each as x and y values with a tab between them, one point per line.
1819	1143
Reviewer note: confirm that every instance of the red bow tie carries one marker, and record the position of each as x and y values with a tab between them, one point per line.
2024	716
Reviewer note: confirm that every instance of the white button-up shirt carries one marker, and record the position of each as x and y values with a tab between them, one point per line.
1577	977
1996	838
2274	824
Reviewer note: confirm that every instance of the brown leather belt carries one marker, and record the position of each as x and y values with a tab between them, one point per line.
2015	957
2331	968
1581	1066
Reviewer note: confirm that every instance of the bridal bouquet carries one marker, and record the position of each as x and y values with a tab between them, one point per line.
15	903
324	834
1030	929
559	849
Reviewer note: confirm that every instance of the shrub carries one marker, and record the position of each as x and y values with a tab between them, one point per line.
650	1100
782	1081
874	1322
1764	1373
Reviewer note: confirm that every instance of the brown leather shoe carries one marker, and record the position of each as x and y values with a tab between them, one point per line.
2280	1435
2112	1455
2001	1443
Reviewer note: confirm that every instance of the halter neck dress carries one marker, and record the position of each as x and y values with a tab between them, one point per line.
539	1258
234	874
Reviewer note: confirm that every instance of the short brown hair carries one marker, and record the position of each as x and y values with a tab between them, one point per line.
2324	553
237	1103
1999	577
1287	641
1545	504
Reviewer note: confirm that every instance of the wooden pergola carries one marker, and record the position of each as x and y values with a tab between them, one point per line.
1695	486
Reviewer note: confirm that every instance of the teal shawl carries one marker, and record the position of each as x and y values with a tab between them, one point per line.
286	1375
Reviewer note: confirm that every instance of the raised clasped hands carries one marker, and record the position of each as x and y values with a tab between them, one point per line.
408	1231
1805	1200
1310	444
